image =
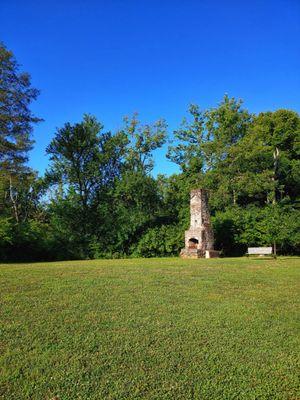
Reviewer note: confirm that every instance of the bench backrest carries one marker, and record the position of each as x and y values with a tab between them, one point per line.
259	250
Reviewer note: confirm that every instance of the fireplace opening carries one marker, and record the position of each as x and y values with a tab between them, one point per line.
193	243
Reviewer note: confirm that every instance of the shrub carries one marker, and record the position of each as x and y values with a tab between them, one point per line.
165	240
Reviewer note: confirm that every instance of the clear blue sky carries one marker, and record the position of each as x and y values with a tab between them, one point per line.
111	58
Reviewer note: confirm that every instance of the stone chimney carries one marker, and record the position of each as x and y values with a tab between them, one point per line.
199	238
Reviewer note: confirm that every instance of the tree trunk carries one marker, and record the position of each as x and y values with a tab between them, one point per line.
13	200
274	249
276	158
234	197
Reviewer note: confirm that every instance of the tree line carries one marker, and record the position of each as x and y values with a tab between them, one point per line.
99	198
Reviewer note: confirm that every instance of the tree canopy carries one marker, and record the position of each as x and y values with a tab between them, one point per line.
99	198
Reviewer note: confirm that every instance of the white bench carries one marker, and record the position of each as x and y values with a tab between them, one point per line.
259	251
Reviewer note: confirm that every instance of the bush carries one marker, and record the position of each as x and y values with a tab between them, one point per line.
237	228
166	240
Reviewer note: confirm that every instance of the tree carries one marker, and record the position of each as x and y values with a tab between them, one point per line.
136	206
187	148
85	162
85	158
16	125
16	118
276	141
143	141
247	162
206	148
136	201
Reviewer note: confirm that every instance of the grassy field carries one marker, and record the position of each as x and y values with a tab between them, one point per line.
150	329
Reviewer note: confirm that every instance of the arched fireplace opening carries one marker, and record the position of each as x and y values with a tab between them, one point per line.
193	242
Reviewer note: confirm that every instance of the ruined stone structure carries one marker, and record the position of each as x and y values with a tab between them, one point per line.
199	239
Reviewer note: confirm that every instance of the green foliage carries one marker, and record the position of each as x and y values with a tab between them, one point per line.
99	199
85	158
18	194
16	119
104	197
142	141
187	148
6	234
135	207
85	163
161	241
237	228
277	138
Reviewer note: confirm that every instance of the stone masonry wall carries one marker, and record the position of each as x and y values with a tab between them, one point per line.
200	226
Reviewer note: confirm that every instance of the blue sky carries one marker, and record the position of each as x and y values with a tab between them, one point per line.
112	58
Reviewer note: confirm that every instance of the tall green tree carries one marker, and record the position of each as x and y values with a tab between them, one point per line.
206	148
85	162
16	118
187	145
85	158
16	125
137	204
143	140
276	142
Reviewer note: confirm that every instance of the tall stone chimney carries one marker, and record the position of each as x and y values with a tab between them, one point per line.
199	238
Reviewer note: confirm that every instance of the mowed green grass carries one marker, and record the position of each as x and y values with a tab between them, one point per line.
150	329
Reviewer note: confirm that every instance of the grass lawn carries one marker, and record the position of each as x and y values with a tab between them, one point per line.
150	329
